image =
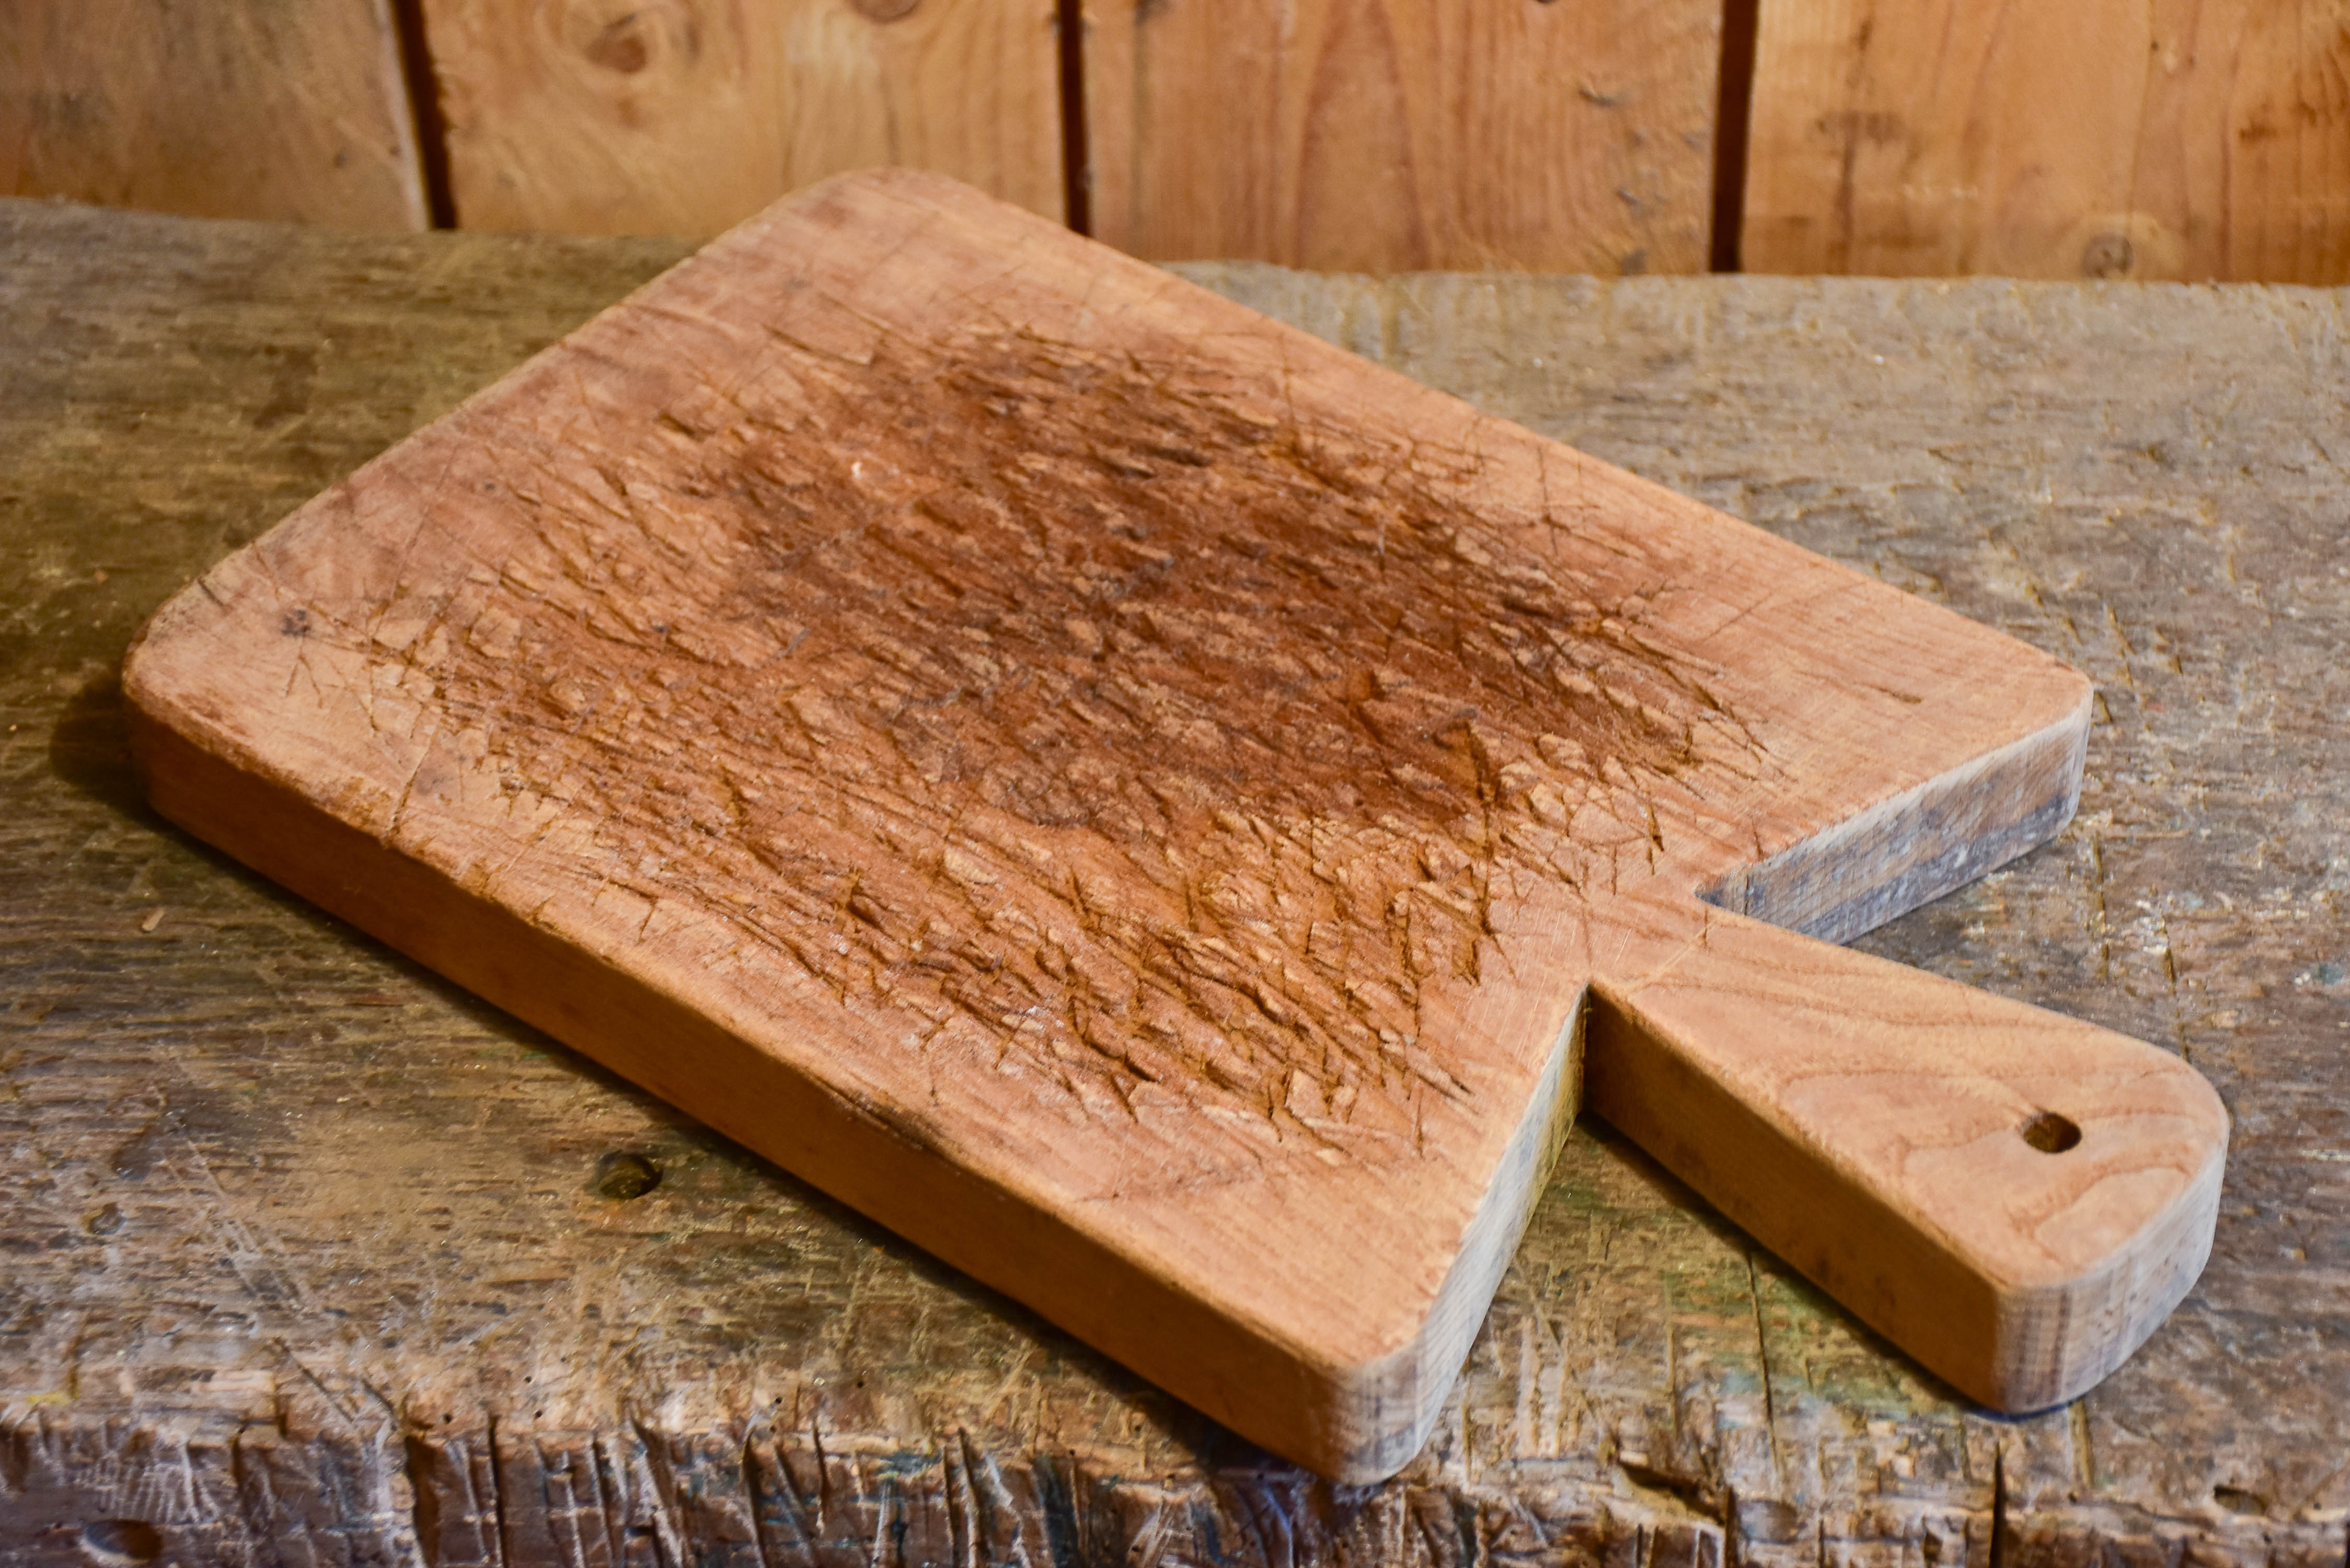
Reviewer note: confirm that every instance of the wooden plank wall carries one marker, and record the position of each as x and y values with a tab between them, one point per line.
219	109
2143	138
674	116
1394	135
2140	138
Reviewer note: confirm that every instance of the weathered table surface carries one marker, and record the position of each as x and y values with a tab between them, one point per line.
310	1258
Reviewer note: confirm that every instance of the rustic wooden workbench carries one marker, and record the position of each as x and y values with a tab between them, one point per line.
310	1258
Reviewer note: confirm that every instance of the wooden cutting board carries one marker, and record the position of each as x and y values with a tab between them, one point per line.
1174	819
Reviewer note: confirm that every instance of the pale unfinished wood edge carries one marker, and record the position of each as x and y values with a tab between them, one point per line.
2138	1292
1725	1094
1353	1423
1401	1395
1911	849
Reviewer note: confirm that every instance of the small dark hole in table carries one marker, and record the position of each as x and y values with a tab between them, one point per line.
622	1175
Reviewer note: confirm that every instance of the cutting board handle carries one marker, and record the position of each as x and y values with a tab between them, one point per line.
2015	1197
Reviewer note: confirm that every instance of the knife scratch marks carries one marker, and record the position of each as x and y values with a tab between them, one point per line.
1079	713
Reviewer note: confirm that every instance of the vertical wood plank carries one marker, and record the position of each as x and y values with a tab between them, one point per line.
232	108
1388	135
2148	138
680	117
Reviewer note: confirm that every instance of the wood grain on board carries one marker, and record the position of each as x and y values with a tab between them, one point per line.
682	117
2141	138
1134	799
1389	136
232	110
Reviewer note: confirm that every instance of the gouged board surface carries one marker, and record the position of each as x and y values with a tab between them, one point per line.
1113	787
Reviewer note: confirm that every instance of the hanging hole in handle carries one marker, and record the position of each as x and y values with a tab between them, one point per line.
2050	1133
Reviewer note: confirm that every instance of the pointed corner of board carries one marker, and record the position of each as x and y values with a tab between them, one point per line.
1390	1402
